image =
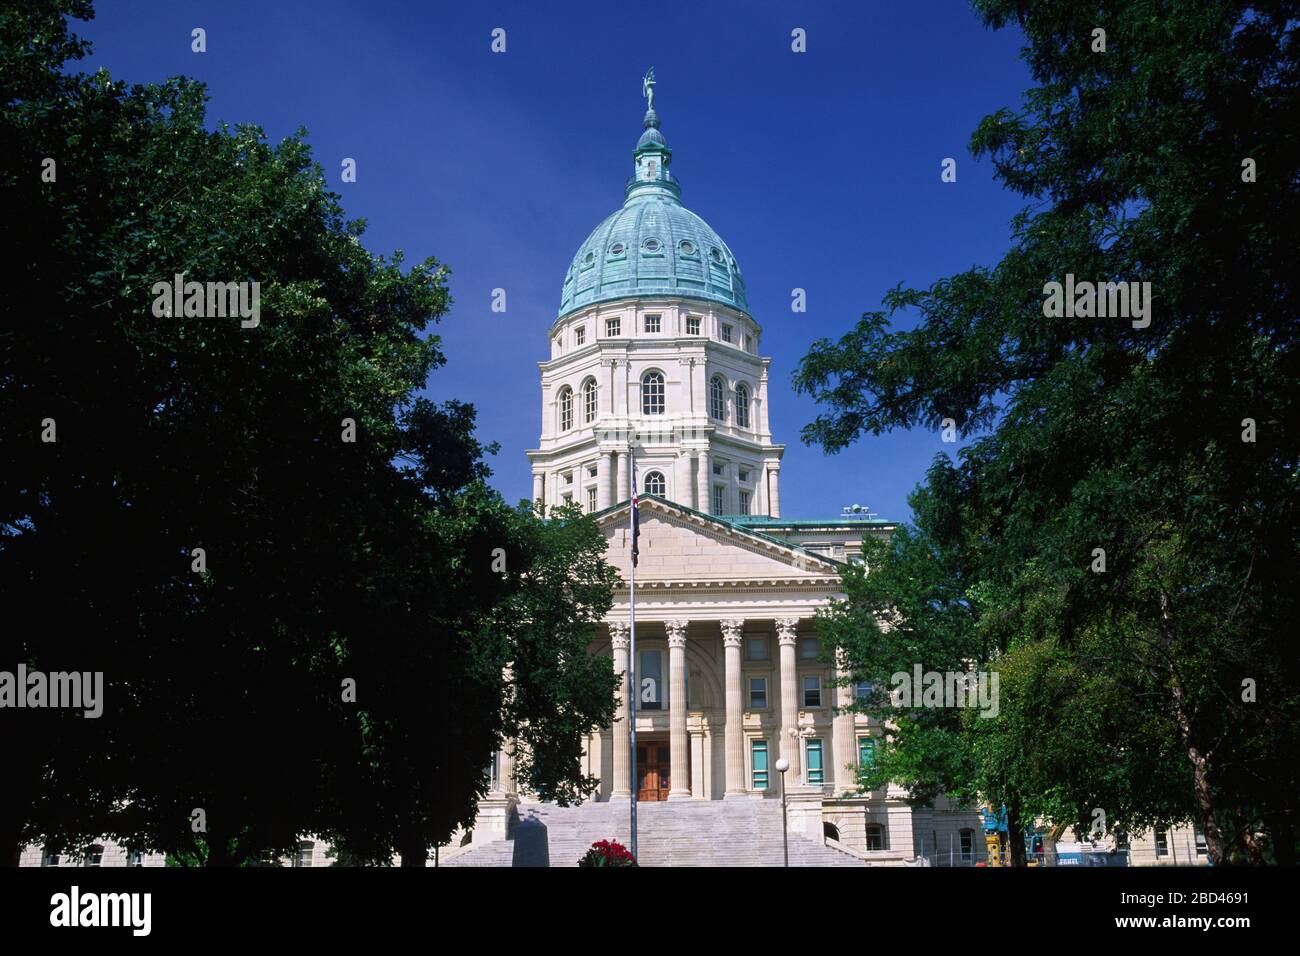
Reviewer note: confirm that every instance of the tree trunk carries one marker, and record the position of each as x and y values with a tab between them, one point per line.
1250	839
415	852
1279	828
1015	838
1200	778
218	850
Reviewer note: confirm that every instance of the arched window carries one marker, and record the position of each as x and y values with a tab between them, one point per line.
652	393
831	831
566	409
589	401
717	399
742	406
655	484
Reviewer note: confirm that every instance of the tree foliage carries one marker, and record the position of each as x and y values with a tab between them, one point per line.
1095	433
324	559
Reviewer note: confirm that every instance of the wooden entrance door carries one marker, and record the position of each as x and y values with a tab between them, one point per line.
652	761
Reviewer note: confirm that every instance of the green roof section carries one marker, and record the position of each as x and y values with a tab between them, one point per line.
763	521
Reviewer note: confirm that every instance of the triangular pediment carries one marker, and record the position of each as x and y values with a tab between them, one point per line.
680	547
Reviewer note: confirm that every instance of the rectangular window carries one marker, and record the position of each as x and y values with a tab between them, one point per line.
967	845
652	694
692	325
580	335
719	498
744	503
568	477
743	474
812	691
756	648
719	469
652	323
726	333
591	499
862	690
757	693
304	853
1202	848
490	771
746	343
866	752
758	763
612	328
1162	842
814	754
808	649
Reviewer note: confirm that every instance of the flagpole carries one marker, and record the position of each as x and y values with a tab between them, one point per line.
632	685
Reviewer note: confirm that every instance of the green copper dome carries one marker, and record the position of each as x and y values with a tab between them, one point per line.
653	246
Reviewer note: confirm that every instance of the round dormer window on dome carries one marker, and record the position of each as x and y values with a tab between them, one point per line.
650	245
687	247
617	249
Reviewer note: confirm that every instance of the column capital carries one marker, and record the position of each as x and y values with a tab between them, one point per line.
732	629
620	635
676	632
785	629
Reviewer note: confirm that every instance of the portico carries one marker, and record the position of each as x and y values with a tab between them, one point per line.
731	673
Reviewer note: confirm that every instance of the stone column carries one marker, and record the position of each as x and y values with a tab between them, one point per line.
697	766
682	483
789	749
602	481
621	788
735	732
538	486
506	768
773	492
703	476
679	743
845	731
622	489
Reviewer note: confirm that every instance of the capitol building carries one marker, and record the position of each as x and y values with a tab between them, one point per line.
656	376
656	383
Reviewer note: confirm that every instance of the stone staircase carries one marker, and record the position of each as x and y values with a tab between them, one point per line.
673	833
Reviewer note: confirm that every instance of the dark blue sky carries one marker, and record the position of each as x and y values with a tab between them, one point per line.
820	170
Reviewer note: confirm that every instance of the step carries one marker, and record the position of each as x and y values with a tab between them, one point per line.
673	833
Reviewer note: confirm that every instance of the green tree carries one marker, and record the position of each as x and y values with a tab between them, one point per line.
1128	436
345	529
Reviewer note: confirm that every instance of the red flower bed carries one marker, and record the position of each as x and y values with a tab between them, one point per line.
607	853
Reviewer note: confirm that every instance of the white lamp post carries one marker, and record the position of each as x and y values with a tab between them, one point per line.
782	766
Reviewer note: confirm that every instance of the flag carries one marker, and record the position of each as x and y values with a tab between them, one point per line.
636	523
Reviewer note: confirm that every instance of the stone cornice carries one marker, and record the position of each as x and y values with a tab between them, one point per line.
752	540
